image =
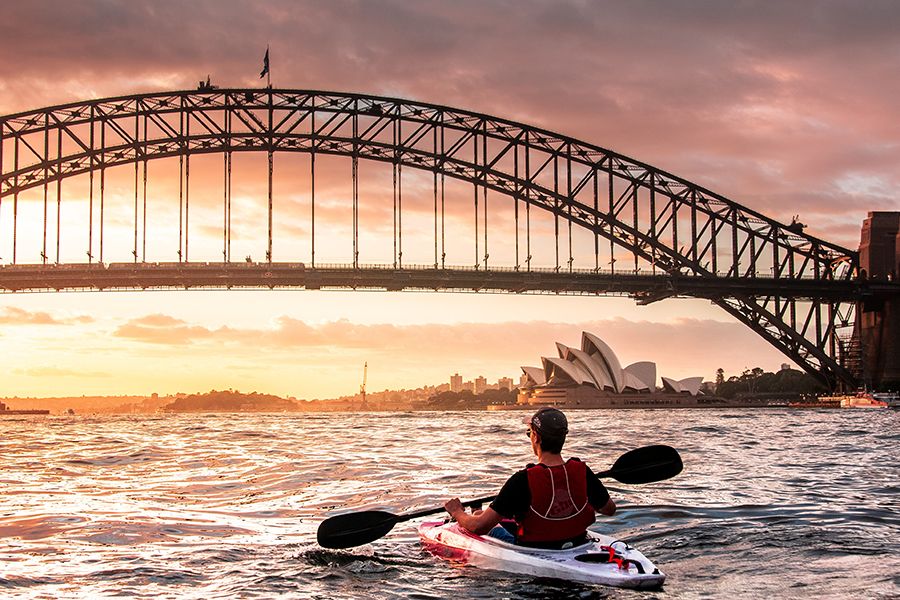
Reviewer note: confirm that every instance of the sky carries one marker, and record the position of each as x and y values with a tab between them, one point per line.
788	108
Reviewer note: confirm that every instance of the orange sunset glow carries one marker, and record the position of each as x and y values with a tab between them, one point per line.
790	114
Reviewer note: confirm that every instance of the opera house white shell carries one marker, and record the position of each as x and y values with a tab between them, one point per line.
596	365
691	385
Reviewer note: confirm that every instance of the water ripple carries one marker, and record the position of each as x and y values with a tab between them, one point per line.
771	503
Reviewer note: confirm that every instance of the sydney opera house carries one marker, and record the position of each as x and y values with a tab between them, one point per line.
593	377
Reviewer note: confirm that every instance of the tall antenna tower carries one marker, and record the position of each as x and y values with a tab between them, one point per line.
362	388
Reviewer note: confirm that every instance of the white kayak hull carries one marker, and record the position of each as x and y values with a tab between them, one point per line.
586	563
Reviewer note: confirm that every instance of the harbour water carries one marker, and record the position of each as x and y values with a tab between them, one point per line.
772	503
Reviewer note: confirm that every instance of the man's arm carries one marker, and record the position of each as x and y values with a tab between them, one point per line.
598	496
609	509
479	522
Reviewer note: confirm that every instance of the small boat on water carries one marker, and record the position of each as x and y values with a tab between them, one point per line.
859	400
891	398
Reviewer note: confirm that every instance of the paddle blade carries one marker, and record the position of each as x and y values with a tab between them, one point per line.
354	529
646	465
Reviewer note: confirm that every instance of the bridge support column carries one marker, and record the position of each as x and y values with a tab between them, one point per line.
878	319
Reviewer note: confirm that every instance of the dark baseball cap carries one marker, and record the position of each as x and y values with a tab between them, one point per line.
549	422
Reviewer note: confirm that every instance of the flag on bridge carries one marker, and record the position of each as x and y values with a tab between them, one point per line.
265	69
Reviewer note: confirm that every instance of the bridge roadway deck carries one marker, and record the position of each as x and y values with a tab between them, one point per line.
645	286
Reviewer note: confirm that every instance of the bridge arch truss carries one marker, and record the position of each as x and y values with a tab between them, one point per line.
655	235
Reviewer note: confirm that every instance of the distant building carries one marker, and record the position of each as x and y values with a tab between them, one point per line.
456	383
505	382
785	367
523	380
468	386
480	384
594	370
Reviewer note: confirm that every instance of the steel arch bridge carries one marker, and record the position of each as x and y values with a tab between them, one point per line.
674	238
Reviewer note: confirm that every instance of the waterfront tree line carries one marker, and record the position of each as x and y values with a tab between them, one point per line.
230	401
758	383
467	400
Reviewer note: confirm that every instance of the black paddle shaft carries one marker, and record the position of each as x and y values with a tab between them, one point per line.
358	528
642	465
434	511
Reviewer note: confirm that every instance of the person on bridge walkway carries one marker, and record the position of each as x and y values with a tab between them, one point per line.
545	505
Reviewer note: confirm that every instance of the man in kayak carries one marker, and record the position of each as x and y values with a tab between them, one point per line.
552	503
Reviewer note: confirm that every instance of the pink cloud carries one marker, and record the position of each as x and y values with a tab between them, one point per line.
468	346
12	315
161	329
157	320
773	108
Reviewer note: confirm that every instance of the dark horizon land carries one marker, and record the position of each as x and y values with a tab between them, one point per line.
754	388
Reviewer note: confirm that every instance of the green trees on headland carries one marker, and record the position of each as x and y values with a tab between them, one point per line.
756	382
466	400
230	401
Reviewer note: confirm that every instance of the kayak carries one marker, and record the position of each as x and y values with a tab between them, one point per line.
603	560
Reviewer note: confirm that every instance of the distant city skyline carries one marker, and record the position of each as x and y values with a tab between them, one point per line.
479	384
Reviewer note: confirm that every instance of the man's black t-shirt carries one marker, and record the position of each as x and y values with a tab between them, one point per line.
515	496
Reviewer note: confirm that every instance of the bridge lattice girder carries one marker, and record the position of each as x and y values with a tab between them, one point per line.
756	268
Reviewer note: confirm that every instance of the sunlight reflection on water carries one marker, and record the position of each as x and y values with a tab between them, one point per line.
772	502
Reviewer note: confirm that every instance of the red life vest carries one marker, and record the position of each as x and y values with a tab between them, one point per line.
559	506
